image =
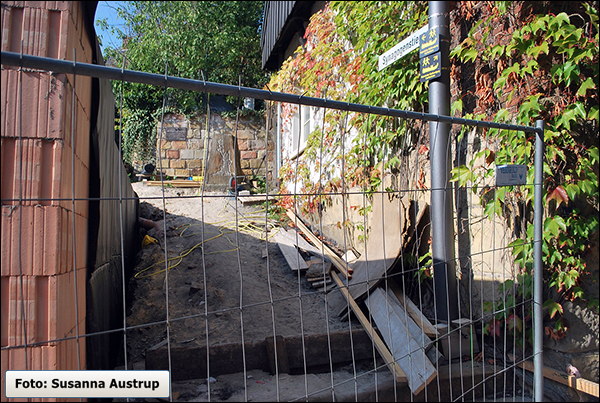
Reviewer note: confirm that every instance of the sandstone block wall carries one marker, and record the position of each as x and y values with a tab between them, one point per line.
186	150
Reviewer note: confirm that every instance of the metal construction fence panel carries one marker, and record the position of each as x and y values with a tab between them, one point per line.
314	285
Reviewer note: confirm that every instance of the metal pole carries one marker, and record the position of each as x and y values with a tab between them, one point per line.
538	268
160	80
442	228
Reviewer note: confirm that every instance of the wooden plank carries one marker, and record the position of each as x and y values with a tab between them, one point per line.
342	266
392	365
290	253
580	384
318	278
300	242
414	312
415	331
405	349
258	198
176	183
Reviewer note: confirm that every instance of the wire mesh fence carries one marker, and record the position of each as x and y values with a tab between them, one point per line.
319	287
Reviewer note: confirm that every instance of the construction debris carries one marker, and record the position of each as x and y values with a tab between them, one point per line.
403	332
300	242
336	260
408	351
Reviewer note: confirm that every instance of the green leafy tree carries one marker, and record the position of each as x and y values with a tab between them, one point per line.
218	41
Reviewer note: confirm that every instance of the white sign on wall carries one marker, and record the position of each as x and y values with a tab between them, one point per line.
511	175
403	48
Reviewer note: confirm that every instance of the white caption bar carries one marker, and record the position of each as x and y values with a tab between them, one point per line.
87	384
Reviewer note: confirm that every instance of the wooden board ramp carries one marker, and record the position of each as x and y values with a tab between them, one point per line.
409	352
386	223
290	253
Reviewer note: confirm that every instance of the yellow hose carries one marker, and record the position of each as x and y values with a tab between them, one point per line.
246	226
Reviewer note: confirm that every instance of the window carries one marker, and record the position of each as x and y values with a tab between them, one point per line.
302	125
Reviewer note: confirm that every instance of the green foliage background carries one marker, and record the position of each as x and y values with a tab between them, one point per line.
216	41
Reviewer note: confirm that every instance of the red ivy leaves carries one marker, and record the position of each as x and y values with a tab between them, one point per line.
559	194
494	327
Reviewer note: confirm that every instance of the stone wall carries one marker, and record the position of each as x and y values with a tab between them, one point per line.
185	146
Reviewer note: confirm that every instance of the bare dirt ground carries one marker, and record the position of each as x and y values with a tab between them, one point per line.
206	287
221	289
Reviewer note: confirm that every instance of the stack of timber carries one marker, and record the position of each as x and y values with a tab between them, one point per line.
402	334
176	183
340	264
318	276
257	198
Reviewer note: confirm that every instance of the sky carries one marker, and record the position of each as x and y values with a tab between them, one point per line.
107	9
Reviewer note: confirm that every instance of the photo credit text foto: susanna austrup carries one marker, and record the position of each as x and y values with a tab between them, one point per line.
138	384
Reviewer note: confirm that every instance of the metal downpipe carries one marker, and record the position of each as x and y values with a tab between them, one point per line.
442	225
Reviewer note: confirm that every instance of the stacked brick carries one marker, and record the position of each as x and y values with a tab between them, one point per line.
44	166
183	141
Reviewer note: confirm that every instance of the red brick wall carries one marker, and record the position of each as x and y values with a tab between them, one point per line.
38	153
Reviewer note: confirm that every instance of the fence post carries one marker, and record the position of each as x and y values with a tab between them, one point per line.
538	269
442	226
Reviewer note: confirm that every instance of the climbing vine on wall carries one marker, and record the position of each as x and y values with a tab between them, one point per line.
531	60
546	68
339	62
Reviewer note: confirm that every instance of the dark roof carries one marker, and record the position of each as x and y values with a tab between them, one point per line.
282	20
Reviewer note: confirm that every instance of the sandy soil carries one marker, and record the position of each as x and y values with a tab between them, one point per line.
222	268
209	284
